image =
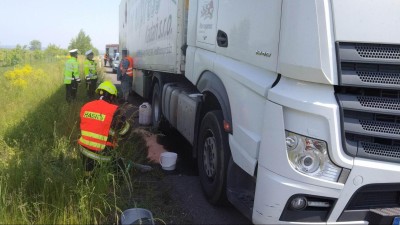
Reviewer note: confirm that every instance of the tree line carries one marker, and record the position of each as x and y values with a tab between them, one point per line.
34	52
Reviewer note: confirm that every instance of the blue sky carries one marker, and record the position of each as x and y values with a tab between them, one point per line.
58	21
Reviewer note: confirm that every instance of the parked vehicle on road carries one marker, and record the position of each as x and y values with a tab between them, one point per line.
292	107
115	63
112	50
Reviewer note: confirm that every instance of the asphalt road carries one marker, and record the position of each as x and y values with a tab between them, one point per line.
184	183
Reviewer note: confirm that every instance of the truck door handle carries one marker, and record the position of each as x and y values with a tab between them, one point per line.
222	39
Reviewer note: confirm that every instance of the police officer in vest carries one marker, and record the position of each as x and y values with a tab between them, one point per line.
71	75
90	72
126	74
101	124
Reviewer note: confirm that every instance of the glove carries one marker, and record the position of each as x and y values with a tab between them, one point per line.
124	129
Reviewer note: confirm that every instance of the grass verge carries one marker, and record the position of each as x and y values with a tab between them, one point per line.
41	173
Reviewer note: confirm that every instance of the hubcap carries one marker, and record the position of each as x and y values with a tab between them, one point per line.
210	156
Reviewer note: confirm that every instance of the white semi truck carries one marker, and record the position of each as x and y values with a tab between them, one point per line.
292	106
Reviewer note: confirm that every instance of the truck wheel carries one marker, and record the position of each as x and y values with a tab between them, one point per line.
156	113
213	157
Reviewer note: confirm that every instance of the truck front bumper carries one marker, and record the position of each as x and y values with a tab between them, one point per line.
372	188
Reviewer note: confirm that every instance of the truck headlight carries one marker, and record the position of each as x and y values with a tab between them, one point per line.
310	156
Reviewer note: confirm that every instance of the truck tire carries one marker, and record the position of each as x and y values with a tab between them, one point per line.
159	123
213	157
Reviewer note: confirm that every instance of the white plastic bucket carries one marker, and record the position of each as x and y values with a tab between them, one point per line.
145	114
136	216
168	160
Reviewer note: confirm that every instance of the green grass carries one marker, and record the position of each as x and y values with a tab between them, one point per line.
41	176
41	170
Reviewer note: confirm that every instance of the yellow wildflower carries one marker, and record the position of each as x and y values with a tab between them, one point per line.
21	83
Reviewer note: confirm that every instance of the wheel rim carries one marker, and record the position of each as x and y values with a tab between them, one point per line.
210	155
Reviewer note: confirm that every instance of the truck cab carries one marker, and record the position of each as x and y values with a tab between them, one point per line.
291	106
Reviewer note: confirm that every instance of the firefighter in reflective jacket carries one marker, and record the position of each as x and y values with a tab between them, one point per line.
100	125
90	72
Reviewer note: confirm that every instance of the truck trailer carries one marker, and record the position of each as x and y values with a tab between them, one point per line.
112	50
292	108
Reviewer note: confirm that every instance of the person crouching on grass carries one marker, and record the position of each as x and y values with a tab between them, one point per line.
101	124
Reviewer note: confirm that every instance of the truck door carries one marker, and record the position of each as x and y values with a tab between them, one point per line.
249	31
247	46
207	17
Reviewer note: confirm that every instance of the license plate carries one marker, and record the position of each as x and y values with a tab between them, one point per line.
396	221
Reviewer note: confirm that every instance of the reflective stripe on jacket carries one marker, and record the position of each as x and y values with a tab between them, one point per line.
94	155
71	68
96	119
89	68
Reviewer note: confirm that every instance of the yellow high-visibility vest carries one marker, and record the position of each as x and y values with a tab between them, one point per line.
71	68
89	68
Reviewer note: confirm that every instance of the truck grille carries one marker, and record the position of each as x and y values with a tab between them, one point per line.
375	196
369	98
377	203
378	51
379	77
